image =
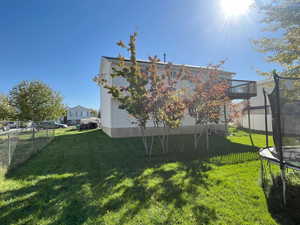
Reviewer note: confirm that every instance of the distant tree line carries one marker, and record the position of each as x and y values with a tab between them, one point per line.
31	101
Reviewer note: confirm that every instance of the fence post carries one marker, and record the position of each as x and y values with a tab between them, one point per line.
9	149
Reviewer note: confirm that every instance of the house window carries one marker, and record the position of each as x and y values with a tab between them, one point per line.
81	113
70	113
76	113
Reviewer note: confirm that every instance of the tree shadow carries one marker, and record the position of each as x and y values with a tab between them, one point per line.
157	186
86	176
289	215
30	202
72	130
221	150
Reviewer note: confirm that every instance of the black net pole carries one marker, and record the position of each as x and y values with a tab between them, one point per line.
279	141
266	119
249	124
263	181
248	111
248	103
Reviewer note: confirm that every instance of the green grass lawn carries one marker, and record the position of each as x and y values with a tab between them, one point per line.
88	178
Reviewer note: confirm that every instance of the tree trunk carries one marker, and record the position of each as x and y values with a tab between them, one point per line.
162	143
145	140
207	137
148	145
197	136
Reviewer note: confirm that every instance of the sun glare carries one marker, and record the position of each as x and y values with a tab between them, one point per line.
234	8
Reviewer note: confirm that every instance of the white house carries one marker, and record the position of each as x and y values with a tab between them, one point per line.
75	114
117	122
257	108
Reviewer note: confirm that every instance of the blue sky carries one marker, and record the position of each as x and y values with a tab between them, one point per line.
60	42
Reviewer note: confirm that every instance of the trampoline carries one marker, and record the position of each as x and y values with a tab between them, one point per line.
285	110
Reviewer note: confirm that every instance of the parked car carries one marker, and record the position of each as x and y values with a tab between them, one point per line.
89	123
61	125
4	127
25	124
50	125
12	125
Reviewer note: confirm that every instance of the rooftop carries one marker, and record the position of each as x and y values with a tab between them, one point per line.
173	64
78	107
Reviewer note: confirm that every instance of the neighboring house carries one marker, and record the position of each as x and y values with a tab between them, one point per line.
257	108
75	114
117	122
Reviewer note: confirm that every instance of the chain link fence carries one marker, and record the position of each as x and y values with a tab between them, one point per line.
18	145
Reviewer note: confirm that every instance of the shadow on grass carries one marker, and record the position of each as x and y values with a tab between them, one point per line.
82	177
221	150
87	177
289	215
72	130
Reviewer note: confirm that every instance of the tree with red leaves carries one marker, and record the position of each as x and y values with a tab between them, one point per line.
133	97
167	107
150	94
206	99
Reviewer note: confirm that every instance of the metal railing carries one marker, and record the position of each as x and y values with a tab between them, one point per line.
18	145
242	89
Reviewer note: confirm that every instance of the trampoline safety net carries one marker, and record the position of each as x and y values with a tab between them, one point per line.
285	107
